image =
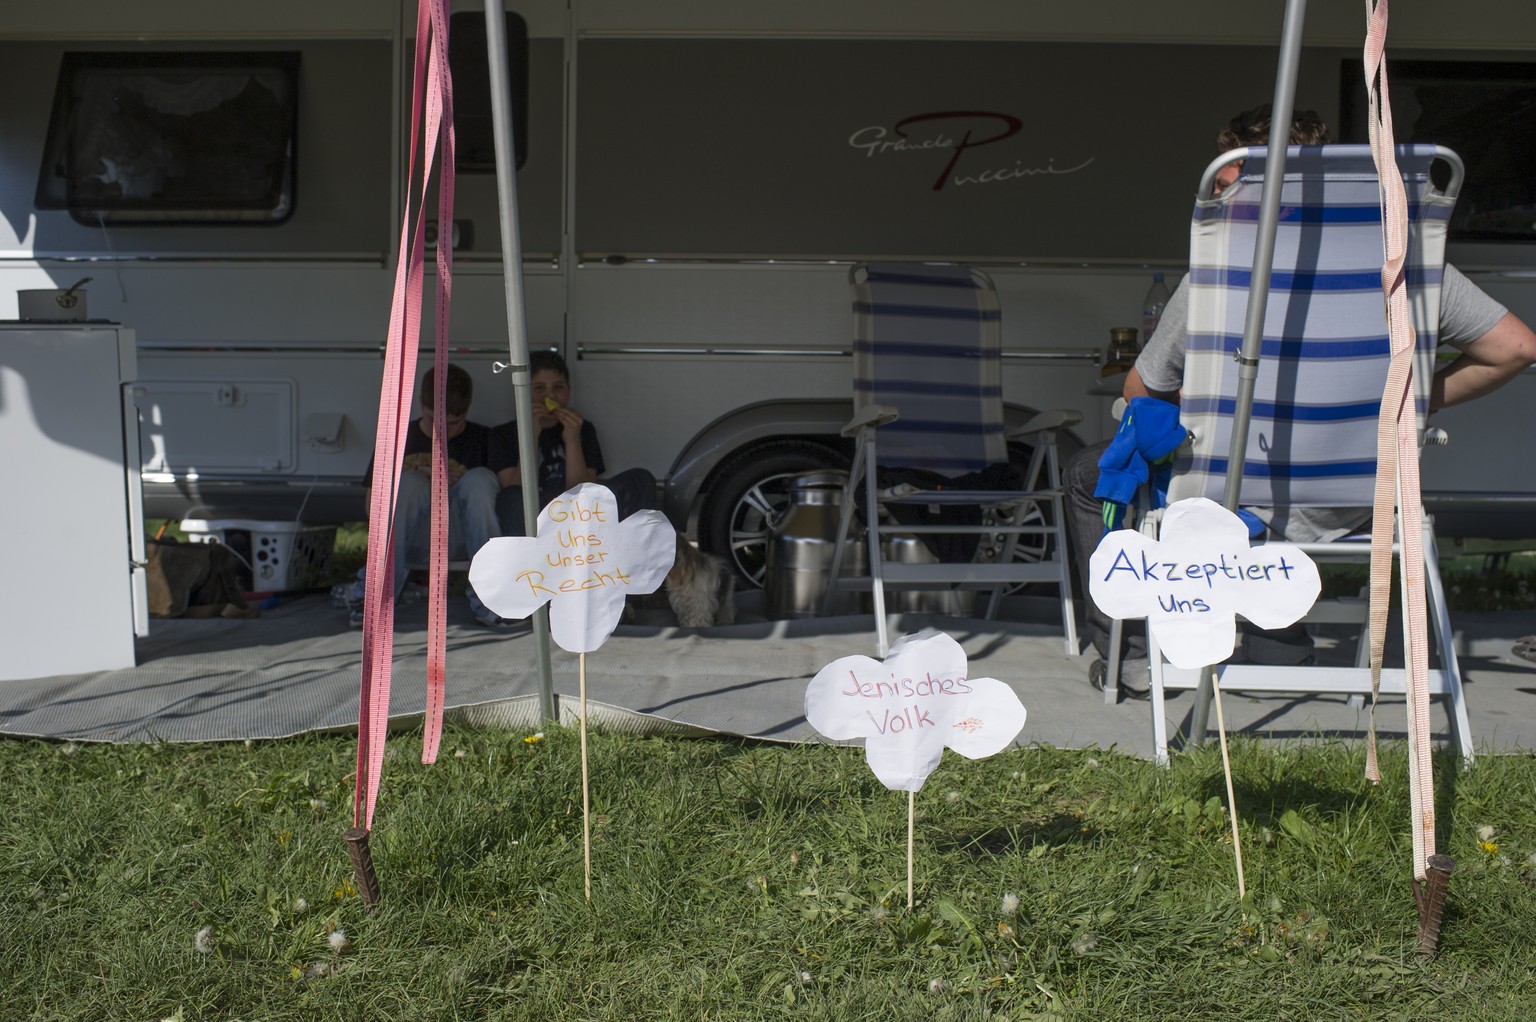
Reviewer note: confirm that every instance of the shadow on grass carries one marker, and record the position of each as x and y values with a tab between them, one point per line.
1056	830
1265	802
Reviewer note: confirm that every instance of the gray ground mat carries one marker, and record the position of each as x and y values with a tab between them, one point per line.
296	669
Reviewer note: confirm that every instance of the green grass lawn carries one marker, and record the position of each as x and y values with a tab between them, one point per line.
735	880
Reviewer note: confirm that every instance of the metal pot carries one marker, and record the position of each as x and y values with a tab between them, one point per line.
52	305
800	550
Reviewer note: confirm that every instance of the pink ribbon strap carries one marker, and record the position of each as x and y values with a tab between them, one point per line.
395	392
1397	463
439	120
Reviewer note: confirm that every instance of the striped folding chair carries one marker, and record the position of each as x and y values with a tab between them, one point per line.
1312	438
928	386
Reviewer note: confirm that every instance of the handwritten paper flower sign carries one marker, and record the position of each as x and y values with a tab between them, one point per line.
910	706
584	561
1191	584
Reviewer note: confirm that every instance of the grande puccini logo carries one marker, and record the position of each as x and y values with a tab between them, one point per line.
957	132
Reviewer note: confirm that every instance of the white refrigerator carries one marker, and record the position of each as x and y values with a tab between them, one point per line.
72	594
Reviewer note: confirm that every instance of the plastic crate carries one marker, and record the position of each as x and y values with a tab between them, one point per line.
277	556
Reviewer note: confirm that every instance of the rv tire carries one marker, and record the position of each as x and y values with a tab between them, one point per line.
749	495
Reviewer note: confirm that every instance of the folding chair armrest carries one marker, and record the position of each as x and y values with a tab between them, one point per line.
1056	418
870	415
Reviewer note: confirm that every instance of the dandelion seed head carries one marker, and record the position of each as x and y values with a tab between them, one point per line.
952	797
937	986
1093	764
794	858
337	939
1010	904
202	943
1017	775
1084	943
458	753
300	905
805	976
1485	833
878	915
69	750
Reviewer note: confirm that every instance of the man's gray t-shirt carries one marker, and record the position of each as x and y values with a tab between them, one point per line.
1466	313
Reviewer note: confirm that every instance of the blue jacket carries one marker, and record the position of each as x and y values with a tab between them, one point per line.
1141	452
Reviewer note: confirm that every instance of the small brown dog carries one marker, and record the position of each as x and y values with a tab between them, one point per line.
700	588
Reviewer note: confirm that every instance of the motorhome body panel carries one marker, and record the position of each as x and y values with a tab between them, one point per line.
687	139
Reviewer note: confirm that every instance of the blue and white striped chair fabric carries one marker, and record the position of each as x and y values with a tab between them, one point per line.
1312	442
928	381
1312	439
928	340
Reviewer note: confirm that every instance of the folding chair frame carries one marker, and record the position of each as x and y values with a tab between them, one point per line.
1041	431
1354	681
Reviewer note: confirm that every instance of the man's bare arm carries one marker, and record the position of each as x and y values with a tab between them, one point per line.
1134	387
1488	363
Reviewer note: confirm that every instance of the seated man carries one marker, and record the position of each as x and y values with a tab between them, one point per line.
569	453
471	488
1495	347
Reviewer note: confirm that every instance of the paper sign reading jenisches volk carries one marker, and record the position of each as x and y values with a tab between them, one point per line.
910	706
1191	582
584	561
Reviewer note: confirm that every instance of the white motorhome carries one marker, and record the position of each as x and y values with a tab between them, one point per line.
698	177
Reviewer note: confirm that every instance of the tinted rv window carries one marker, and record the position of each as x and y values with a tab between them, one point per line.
172	138
1486	112
474	141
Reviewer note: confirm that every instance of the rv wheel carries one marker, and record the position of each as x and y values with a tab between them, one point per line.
748	498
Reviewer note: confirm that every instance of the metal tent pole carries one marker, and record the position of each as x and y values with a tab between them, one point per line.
1264	243
517	325
1280	112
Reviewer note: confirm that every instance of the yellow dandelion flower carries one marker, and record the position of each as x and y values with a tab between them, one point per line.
1491	847
534	739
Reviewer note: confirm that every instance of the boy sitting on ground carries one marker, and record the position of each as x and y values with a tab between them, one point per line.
472	488
569	453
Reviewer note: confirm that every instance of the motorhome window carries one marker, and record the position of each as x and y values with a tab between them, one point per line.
1486	112
172	138
473	139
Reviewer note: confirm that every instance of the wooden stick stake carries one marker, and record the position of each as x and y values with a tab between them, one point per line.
1226	768
586	799
362	866
911	812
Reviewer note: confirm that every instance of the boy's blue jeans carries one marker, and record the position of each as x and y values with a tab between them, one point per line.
471	521
633	490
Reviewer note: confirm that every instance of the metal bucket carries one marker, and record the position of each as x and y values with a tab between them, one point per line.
908	549
800	551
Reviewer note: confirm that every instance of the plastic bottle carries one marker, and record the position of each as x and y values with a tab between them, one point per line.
1152	307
